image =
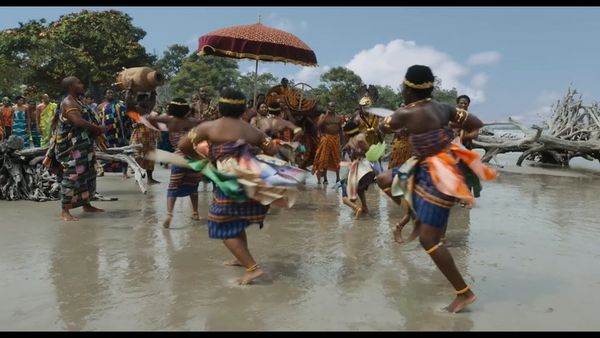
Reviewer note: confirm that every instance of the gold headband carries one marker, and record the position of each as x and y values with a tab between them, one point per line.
179	103
352	131
274	109
425	85
231	101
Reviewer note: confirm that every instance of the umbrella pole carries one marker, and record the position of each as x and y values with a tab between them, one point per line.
255	82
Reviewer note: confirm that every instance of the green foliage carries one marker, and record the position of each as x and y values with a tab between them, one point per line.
341	86
388	98
92	45
444	95
210	71
264	82
172	60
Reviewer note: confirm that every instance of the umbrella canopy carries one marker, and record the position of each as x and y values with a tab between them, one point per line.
257	42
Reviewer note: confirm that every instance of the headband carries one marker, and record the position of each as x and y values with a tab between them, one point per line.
179	103
231	101
352	131
425	85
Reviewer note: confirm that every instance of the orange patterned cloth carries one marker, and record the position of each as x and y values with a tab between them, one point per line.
148	138
401	151
328	154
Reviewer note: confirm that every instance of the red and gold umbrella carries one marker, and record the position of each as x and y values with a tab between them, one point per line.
257	42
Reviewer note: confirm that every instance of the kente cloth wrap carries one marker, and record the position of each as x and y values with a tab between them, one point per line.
328	155
72	157
148	139
434	179
46	117
245	187
183	182
118	131
401	151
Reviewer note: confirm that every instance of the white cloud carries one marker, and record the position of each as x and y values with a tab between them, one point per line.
387	64
309	75
479	80
285	24
484	58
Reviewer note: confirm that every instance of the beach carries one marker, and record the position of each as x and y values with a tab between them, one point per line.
528	249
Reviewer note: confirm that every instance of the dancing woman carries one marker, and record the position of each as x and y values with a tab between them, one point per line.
436	173
228	140
183	181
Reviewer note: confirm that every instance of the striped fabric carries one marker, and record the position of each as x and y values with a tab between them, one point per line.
328	155
432	207
183	182
439	177
431	143
228	218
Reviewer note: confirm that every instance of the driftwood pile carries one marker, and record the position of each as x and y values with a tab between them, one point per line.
23	177
572	130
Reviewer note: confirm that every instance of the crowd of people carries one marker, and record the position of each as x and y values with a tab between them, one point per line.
255	154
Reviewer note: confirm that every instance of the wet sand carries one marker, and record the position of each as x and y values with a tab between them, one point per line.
529	249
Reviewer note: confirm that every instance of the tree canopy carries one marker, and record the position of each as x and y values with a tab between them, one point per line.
209	71
92	45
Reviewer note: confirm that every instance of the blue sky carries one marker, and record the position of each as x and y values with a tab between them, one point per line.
511	61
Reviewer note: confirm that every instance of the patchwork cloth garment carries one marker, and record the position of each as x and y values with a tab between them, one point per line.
46	117
328	155
436	178
71	156
118	131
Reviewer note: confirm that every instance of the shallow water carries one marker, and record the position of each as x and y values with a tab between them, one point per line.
529	249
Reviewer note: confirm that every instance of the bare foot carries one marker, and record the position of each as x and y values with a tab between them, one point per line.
89	208
67	217
167	222
359	213
100	175
233	262
248	277
125	176
152	181
195	216
398	233
461	301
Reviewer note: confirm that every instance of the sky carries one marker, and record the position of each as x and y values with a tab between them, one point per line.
511	61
